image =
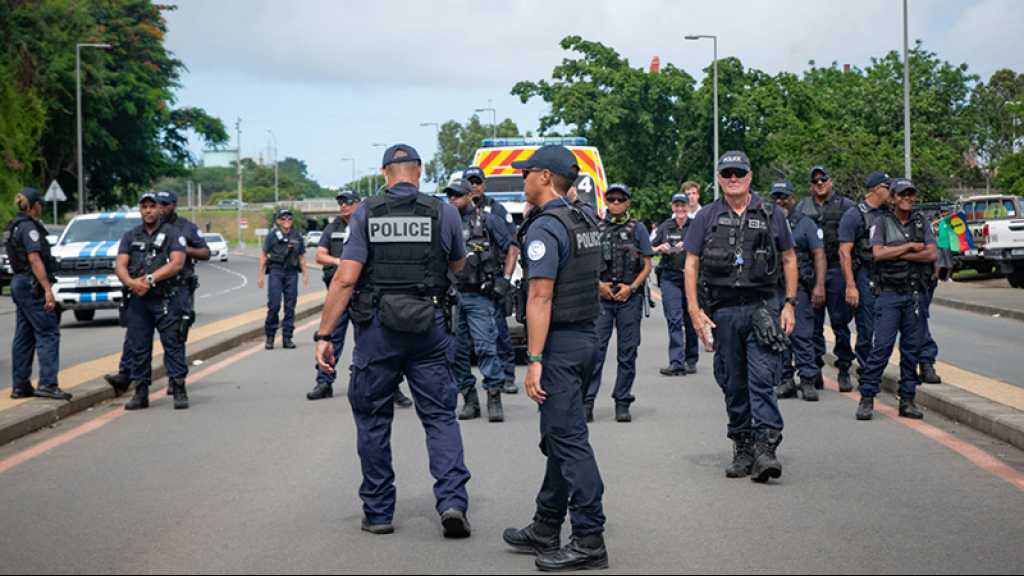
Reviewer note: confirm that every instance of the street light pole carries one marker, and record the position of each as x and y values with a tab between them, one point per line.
373	170
78	118
276	196
238	166
437	131
494	120
714	171
906	94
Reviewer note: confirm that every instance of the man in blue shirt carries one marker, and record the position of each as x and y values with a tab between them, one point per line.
283	255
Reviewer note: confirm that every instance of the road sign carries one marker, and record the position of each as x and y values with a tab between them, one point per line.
54	193
243	223
261	232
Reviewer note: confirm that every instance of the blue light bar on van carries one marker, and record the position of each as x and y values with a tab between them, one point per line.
560	141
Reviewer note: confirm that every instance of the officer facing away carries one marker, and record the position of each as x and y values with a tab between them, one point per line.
826	209
810	266
668	241
626	254
904	251
37	323
394	281
481	285
149	263
561	262
282	254
857	258
740	245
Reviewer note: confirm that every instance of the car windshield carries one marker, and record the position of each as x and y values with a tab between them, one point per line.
98	230
213	238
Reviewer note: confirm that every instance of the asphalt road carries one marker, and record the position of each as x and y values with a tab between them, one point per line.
254	478
226	289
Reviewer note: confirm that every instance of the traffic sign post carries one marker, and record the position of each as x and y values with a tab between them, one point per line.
55	194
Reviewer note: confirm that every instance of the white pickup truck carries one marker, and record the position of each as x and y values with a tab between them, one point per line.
997	226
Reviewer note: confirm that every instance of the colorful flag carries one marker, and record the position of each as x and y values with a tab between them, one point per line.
960	237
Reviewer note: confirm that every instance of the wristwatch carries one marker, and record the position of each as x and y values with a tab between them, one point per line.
317	337
534	358
149	280
790	301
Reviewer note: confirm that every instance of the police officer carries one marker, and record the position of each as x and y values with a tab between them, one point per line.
561	262
506	354
811	266
857	260
668	241
37	323
394	282
904	251
626	254
282	254
481	284
149	264
740	245
826	209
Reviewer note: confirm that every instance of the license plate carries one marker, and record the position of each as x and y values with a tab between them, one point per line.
94	282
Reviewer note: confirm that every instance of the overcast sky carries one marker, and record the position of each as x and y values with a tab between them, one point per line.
331	78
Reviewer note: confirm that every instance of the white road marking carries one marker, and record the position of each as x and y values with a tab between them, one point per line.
245	282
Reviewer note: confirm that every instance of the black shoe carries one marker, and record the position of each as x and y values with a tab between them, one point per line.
141	398
455	523
670	371
691	368
401	400
819	382
787	389
180	395
742	456
120	382
510	388
589	409
907	409
287	343
622	413
866	408
269	345
22	392
845	385
536	538
320	391
808	391
494	411
53	392
928	374
583	553
385	528
471	407
766	465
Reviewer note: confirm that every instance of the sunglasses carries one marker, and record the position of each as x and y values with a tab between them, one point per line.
730	173
819	181
476	181
617	199
347	201
285	218
906	194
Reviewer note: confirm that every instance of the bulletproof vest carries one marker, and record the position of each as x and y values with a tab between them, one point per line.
827	217
184	225
902	275
150	253
674	237
741	252
17	253
284	249
481	254
576	294
404	241
337	233
863	255
620	253
806	274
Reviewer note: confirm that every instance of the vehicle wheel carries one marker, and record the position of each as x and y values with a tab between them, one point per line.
85	315
1016	278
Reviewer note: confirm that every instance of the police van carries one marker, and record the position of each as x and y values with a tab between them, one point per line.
86	253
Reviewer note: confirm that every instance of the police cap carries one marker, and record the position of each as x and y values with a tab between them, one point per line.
783	188
734	159
32	195
902	186
458	188
473	172
148	196
681	198
557	159
166	197
819	170
876	178
346	195
281	213
400	153
618	187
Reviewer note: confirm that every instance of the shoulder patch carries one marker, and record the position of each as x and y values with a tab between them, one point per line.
508	217
34	235
181	240
536	250
821	234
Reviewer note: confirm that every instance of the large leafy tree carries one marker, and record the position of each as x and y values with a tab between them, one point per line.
457	142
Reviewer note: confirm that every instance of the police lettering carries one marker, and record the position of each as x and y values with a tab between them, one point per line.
394	230
585	240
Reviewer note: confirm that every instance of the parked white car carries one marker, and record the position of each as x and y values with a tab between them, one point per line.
313	237
218	247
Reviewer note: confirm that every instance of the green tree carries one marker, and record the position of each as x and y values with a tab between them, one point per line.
22	119
456	144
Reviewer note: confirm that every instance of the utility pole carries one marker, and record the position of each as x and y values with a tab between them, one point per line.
494	120
276	195
906	94
714	161
238	165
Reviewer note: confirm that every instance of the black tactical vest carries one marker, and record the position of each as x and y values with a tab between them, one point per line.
863	255
16	251
827	217
150	253
902	275
284	249
741	252
576	293
620	253
674	237
482	263
337	234
184	224
806	274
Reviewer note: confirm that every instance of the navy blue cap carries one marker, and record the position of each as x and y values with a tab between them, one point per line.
459	187
33	195
734	159
901	186
680	198
166	197
346	195
876	178
282	212
619	187
400	153
558	159
473	172
819	168
151	196
783	188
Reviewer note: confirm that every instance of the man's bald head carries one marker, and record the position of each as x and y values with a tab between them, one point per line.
408	172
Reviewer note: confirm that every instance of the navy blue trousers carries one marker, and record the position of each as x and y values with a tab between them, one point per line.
896	313
802	340
681	351
476	330
506	353
36	333
281	285
625	318
929	349
338	344
864	316
163	315
839	316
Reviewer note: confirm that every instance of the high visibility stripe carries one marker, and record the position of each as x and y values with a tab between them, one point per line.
486	162
586	159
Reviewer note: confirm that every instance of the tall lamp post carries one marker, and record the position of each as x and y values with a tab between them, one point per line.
494	120
714	161
78	117
276	195
437	131
906	94
374	170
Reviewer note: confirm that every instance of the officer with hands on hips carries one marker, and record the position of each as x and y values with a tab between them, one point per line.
282	254
811	267
626	254
37	319
904	251
561	263
149	264
668	241
394	281
738	246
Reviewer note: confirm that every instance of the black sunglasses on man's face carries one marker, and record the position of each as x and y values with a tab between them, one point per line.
730	173
819	181
347	201
617	199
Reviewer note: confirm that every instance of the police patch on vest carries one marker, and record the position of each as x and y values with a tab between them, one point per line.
339	235
536	250
395	230
754	224
34	235
585	240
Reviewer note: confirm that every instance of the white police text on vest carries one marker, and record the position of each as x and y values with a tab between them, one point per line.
393	230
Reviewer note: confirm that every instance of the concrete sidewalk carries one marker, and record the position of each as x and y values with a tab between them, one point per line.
991	297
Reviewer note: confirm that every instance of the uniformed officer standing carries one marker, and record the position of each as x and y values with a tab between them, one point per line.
668	241
626	253
826	209
904	252
811	266
481	285
394	282
475	176
37	320
282	254
740	245
561	263
149	263
857	260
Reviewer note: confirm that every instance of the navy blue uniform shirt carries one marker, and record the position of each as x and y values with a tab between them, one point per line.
701	227
547	243
268	243
174	238
501	214
852	224
808	236
29	238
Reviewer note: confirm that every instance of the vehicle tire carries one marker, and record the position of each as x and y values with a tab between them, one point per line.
1016	278
85	315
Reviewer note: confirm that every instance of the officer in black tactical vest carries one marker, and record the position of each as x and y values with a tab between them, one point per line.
626	255
149	264
561	262
739	246
683	347
826	209
395	282
904	251
283	255
37	322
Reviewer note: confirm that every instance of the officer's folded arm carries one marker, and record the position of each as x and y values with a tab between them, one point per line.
891	252
929	254
121	271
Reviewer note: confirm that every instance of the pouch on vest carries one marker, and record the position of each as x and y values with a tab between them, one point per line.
360	309
407	313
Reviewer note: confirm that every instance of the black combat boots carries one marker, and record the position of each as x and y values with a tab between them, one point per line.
141	398
808	390
320	391
928	374
119	382
766	465
742	456
787	389
537	538
622	412
269	345
494	411
454	523
471	406
177	387
866	408
401	400
581	553
287	343
845	385
908	409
